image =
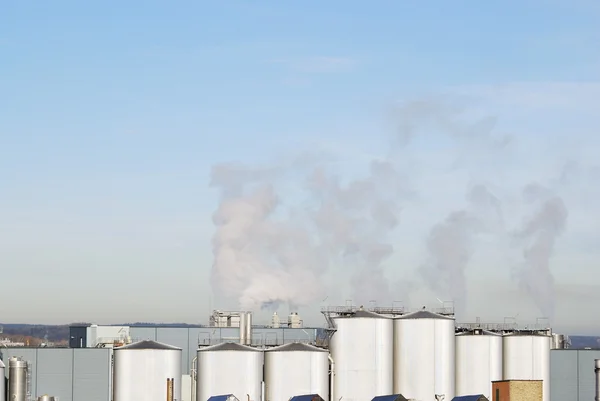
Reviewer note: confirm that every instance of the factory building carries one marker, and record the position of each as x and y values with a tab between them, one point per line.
362	355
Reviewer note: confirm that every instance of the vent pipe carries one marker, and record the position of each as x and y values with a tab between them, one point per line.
243	329
249	328
597	371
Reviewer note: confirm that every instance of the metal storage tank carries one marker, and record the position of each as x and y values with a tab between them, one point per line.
478	362
424	356
362	349
527	357
2	381
147	370
295	369
18	379
229	368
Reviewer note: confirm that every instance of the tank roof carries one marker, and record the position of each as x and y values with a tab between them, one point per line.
423	314
362	314
148	344
228	347
533	333
296	347
481	333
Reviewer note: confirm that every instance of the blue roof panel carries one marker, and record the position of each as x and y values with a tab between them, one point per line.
307	397
391	397
224	397
477	397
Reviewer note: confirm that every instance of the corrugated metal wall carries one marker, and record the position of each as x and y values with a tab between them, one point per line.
72	374
572	374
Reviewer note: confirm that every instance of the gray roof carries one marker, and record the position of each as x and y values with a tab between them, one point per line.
229	347
423	314
363	314
148	344
296	347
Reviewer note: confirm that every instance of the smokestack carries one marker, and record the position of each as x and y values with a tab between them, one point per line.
597	371
248	328
243	328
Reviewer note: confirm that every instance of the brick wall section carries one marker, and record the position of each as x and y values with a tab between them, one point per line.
530	390
502	389
517	390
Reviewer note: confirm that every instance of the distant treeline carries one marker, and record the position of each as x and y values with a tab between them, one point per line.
54	333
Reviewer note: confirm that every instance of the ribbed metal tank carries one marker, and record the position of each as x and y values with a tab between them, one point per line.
296	369
17	379
229	368
2	381
147	370
424	356
478	362
558	341
527	357
362	349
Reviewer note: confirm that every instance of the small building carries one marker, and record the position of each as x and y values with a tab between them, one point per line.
517	390
391	397
475	397
307	397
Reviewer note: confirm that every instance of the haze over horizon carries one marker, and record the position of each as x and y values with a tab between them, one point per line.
144	142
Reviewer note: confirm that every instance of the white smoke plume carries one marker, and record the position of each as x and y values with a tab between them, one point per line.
539	234
260	257
355	222
450	245
271	248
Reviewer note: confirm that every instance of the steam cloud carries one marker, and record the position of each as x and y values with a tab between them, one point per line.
539	233
449	245
273	248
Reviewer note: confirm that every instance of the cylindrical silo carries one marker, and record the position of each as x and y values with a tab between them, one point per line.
229	368
17	379
362	350
424	356
478	362
527	357
296	369
2	381
147	370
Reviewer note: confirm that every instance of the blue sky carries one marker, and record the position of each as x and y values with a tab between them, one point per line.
113	113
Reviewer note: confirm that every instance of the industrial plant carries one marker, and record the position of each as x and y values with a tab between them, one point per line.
360	354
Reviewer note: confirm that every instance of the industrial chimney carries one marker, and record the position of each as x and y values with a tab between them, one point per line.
597	371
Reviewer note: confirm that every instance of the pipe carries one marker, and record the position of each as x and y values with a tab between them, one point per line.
331	378
249	328
597	371
263	390
243	328
194	375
